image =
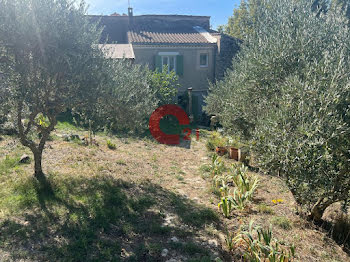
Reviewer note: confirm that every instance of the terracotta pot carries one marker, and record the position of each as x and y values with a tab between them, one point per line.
221	150
235	153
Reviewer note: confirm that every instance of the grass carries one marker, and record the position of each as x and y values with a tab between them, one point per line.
282	222
92	217
85	214
9	163
265	209
121	162
67	126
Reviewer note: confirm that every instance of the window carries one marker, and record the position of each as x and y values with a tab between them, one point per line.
203	60
173	60
169	61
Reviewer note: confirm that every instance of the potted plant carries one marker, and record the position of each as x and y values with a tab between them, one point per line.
221	150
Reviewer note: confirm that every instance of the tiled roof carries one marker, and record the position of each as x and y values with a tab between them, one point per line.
155	29
165	34
118	50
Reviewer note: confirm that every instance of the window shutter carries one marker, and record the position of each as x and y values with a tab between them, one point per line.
180	65
158	64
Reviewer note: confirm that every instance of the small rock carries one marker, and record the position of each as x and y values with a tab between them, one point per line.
213	243
24	159
172	260
174	239
165	252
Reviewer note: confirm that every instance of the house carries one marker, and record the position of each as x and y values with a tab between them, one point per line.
186	44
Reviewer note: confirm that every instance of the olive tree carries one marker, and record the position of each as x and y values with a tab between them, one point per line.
125	103
49	56
289	94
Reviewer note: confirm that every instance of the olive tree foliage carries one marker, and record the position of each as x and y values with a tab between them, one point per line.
125	103
344	5
242	23
4	101
289	94
51	62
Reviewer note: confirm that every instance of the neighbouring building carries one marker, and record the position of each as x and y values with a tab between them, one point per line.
186	44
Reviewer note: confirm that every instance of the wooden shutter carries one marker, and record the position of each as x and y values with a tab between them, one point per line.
180	65
158	63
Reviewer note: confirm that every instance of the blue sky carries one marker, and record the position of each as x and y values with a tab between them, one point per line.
219	10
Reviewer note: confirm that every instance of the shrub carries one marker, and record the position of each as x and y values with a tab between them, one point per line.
289	93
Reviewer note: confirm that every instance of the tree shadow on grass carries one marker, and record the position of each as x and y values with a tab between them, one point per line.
104	219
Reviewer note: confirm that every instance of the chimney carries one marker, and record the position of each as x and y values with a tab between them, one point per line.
130	12
131	16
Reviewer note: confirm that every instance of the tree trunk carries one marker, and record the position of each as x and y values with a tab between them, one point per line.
318	209
39	174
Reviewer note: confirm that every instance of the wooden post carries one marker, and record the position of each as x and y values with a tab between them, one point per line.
190	104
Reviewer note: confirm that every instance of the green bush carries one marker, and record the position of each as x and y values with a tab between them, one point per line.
289	94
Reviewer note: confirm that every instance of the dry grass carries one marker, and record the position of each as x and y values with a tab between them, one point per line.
126	205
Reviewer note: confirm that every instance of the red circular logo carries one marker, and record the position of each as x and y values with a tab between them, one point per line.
154	124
